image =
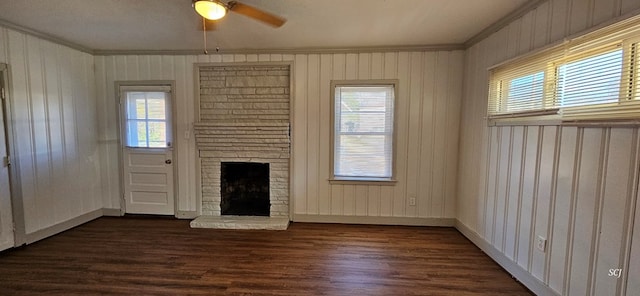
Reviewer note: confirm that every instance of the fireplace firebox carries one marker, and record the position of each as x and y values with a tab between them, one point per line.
244	189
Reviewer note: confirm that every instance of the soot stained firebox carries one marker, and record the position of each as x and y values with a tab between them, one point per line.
244	188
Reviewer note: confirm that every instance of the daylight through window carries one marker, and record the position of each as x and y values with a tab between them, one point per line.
146	119
591	77
363	131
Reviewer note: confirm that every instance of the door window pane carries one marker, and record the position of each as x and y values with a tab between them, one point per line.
146	116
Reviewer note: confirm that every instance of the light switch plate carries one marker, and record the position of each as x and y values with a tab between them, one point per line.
541	243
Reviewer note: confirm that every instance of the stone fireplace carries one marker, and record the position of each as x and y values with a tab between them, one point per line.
244	121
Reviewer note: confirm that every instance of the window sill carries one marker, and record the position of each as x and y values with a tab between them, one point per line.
526	120
557	121
363	181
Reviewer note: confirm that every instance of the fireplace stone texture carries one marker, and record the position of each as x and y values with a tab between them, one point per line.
244	117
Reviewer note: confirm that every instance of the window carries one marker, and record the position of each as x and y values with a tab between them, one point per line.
146	118
363	130
591	77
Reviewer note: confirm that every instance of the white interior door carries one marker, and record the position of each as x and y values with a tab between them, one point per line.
147	150
6	216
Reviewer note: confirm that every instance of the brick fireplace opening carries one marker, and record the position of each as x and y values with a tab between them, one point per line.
244	189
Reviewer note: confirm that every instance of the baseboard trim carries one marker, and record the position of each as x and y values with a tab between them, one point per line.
111	212
60	227
527	279
187	214
406	221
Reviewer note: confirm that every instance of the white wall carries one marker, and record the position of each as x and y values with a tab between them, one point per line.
577	187
53	108
428	120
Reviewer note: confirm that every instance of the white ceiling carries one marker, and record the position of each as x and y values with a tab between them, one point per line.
172	24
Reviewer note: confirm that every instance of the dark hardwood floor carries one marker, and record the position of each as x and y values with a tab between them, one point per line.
162	256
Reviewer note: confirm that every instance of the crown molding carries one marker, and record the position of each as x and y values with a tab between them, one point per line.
306	50
503	22
48	37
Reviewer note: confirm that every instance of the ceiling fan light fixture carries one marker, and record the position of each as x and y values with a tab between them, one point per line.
210	9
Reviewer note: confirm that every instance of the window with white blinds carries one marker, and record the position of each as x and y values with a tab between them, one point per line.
591	77
363	130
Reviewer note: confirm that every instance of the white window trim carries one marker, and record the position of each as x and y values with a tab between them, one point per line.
333	179
576	47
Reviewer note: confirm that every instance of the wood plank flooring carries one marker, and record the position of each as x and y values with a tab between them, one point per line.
162	256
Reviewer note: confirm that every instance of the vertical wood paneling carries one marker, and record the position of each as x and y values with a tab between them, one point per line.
559	19
440	133
581	256
543	197
558	239
526	36
619	178
502	186
541	25
491	187
299	130
633	268
629	5
527	210
313	132
415	100
580	11
604	10
401	137
324	191
52	94
361	200
513	196
454	106
425	174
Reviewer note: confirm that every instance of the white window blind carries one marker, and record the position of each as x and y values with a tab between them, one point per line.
591	77
363	131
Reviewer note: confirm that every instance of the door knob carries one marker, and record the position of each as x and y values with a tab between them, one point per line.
168	161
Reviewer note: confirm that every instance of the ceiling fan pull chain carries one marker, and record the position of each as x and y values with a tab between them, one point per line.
204	35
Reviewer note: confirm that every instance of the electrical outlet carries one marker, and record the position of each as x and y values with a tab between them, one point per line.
541	243
412	201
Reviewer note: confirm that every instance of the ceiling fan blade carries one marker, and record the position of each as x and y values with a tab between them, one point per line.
256	13
208	25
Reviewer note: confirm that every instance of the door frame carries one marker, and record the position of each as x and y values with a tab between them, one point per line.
15	189
174	142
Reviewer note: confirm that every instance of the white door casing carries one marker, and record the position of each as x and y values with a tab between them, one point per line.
6	216
147	152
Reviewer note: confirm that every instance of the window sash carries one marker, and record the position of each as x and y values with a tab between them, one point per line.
140	125
363	130
593	76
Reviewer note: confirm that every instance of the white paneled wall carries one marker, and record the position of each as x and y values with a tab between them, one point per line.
427	129
428	120
576	187
53	115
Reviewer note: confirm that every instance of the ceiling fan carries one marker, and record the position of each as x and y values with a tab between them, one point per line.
212	10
